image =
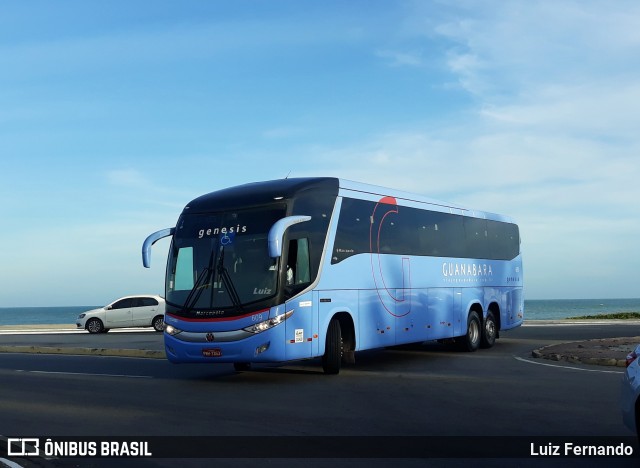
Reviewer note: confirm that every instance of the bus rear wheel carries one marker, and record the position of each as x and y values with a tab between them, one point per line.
471	341
332	358
489	332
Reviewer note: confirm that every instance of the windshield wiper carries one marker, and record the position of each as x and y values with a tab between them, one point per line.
196	291
228	282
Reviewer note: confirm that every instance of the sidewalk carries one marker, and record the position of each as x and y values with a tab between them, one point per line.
67	339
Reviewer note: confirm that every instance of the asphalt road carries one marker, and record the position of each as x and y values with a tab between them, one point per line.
428	390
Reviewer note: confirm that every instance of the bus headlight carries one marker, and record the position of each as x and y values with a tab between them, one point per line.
263	326
171	330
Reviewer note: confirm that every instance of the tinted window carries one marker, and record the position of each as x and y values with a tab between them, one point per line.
122	304
441	234
221	260
147	302
365	227
475	231
319	206
503	239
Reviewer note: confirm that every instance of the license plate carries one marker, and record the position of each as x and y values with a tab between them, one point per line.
215	352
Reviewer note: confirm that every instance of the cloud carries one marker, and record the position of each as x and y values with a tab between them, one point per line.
396	58
576	202
551	138
128	178
531	43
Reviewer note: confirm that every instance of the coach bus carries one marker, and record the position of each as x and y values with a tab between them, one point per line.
300	268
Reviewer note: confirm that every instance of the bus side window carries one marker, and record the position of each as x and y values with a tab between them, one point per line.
298	265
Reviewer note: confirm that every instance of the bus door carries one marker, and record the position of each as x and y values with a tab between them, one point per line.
301	327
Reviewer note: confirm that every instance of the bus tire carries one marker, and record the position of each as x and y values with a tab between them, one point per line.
332	358
471	340
94	325
489	331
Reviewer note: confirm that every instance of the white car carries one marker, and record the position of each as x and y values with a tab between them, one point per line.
630	395
129	311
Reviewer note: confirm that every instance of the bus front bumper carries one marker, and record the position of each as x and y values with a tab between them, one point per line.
268	346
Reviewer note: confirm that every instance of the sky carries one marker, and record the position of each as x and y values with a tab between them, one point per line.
114	115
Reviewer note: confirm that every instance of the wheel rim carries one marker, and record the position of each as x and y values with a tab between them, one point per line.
490	329
94	326
474	331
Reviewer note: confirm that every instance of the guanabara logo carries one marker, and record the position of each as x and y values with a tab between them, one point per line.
450	269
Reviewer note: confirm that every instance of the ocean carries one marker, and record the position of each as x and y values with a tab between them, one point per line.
41	315
533	310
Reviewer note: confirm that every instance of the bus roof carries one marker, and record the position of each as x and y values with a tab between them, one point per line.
259	193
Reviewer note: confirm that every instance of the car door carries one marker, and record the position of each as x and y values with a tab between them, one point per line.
145	308
118	314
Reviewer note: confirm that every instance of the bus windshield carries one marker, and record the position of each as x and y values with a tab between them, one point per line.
219	263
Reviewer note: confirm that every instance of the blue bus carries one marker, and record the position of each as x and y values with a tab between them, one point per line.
300	268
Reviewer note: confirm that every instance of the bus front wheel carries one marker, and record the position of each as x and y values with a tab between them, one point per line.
333	348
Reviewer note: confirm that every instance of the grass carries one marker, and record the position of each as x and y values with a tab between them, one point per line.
619	315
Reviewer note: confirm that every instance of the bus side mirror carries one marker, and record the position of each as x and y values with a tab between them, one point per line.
152	239
277	232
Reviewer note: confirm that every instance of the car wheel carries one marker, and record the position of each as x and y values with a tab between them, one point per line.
333	348
94	325
158	323
471	341
489	332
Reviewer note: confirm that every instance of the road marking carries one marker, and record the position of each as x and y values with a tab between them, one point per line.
573	323
86	374
66	331
567	367
9	463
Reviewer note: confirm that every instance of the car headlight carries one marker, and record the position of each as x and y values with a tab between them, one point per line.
263	326
81	316
171	330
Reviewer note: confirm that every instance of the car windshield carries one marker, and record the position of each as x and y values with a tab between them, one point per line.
219	263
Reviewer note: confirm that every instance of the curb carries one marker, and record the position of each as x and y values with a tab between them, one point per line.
133	353
610	352
611	362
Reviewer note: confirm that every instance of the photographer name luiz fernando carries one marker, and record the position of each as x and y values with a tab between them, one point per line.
96	449
569	449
